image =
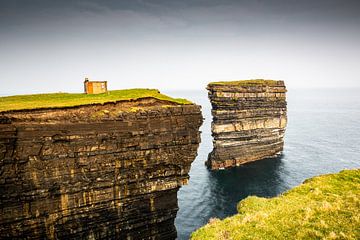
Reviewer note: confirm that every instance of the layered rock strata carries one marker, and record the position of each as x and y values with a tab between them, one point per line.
108	171
249	120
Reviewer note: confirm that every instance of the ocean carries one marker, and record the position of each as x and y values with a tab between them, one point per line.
322	136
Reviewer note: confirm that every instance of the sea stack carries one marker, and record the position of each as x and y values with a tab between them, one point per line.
249	120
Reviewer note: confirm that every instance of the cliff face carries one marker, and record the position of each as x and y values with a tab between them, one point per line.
249	120
95	172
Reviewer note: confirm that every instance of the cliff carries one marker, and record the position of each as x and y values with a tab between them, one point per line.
97	171
323	207
249	120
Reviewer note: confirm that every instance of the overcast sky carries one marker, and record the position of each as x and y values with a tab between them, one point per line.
52	45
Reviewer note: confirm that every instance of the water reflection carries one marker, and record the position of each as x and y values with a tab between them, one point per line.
261	178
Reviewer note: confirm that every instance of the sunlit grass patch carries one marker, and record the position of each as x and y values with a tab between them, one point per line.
324	207
54	100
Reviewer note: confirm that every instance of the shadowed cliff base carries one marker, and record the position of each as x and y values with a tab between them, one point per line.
323	207
96	171
249	120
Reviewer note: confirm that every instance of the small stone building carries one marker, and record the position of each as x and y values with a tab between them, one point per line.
95	87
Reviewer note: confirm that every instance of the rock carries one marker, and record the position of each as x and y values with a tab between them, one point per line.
77	173
249	121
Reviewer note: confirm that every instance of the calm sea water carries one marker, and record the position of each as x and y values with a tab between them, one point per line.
322	136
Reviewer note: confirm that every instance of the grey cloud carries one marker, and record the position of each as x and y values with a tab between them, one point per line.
148	42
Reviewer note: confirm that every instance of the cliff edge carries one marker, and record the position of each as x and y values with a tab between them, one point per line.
249	120
105	170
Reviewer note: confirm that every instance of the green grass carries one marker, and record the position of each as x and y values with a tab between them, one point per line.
55	100
247	82
324	207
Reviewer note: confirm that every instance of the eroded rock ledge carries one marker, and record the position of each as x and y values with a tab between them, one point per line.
249	120
106	171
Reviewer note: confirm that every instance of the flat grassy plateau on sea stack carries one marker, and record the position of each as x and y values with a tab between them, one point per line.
323	207
248	82
58	100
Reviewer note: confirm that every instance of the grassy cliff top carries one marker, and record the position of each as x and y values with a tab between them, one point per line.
248	82
323	207
56	100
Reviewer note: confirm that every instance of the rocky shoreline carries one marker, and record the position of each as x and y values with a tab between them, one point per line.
249	121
